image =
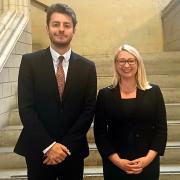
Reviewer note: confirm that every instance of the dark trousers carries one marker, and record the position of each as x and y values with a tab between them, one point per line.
111	172
70	168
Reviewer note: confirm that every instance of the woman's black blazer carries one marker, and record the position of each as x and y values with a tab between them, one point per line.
149	123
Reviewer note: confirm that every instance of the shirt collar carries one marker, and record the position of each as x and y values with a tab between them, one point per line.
55	55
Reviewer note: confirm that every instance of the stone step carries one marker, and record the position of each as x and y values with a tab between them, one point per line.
90	134
171	155
155	65
174	130
162	56
171	95
173	111
164	81
170	171
13	174
14	118
11	160
10	134
173	56
162	67
167	172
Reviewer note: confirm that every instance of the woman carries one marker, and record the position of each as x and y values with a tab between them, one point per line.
130	124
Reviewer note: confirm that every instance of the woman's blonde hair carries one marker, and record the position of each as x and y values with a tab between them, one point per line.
141	78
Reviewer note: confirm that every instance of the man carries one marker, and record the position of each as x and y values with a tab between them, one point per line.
56	96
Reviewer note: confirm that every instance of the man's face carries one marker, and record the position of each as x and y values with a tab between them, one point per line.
60	29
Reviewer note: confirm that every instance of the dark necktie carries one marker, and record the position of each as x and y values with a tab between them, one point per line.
60	76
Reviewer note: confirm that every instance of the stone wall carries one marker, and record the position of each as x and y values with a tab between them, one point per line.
9	75
171	26
1	7
104	25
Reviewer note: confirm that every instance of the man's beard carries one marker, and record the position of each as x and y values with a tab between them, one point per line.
61	44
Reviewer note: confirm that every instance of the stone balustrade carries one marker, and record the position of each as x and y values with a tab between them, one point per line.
15	40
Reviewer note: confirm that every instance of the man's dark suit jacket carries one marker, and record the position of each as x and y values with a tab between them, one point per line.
45	117
148	125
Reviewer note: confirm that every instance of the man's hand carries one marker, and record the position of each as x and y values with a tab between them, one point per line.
56	154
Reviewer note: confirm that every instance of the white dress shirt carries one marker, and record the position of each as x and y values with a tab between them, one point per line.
55	55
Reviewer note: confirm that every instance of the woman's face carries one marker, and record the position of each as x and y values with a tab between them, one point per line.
126	65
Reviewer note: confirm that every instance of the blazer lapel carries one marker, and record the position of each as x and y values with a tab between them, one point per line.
139	99
116	93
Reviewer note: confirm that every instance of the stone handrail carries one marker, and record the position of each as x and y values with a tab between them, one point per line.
12	23
39	4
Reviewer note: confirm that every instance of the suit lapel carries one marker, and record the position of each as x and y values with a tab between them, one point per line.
71	74
50	73
51	77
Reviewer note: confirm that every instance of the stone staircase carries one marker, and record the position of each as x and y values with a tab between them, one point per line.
163	69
